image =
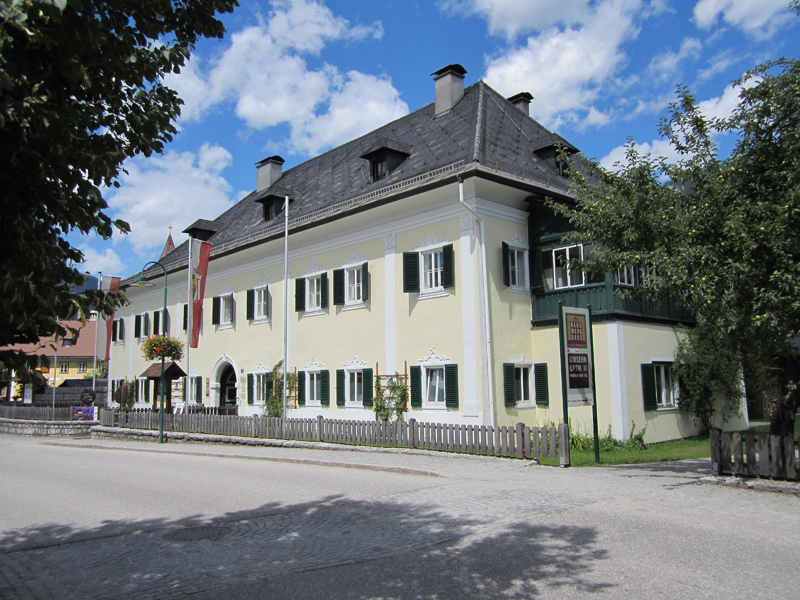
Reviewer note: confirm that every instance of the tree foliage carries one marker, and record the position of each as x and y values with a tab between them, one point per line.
719	235
80	92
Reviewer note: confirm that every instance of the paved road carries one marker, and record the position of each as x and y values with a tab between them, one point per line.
90	519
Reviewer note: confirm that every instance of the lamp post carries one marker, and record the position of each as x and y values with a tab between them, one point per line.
143	283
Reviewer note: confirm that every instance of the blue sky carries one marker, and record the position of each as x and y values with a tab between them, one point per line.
297	77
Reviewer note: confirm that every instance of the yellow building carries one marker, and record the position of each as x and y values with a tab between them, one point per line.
424	243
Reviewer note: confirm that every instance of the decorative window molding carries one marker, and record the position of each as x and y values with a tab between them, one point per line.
433	358
430	242
313	388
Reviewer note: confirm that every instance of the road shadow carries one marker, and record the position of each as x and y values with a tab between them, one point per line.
690	469
333	548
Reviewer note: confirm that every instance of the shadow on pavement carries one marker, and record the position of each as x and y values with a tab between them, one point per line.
335	548
685	469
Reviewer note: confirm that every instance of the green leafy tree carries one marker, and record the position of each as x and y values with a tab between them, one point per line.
80	92
721	236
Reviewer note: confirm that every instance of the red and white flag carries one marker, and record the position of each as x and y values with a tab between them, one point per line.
113	288
199	268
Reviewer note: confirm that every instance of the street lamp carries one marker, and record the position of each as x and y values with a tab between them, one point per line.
143	283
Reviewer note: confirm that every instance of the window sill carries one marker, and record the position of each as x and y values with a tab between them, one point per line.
669	408
518	290
356	404
259	321
434	406
222	326
435	293
573	287
527	404
314	312
354	306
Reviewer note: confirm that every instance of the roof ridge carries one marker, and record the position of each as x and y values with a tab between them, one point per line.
478	124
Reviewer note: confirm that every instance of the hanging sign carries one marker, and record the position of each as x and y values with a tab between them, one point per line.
577	356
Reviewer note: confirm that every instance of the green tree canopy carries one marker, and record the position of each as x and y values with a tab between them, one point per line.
720	235
80	92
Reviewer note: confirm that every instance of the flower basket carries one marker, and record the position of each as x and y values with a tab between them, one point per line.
162	346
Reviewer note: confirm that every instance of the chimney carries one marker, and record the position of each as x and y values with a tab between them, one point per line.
449	87
522	101
268	172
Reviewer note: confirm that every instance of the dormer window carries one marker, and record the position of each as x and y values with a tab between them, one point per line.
379	170
273	200
546	148
385	156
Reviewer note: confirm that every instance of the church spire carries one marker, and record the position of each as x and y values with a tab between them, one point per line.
169	246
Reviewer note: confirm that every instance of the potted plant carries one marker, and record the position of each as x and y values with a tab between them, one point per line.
162	347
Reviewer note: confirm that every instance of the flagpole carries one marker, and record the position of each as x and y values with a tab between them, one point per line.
285	297
96	323
189	321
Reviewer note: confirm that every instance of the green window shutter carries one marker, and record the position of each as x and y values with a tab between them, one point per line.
198	389
121	330
542	390
185	317
340	383
325	384
267	302
537	274
183	389
451	386
301	388
338	287
166	322
649	387
156	322
114	331
508	384
448	270
215	309
250	388
146	384
364	282
323	279
506	268
136	391
368	387
410	272
269	387
137	326
415	374
251	305
300	294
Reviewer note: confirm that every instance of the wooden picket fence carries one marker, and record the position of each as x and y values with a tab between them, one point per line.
520	441
27	412
752	455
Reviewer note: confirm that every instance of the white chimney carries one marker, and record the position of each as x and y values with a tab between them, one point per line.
449	87
268	172
522	101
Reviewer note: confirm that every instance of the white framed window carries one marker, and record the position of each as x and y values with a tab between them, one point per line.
260	391
142	390
226	311
118	332
626	276
558	274
144	327
522	384
66	342
432	270
81	367
260	306
353	286
63	367
314	387
355	387
515	266
314	294
434	385
666	386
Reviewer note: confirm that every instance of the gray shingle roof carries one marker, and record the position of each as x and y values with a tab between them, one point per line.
482	128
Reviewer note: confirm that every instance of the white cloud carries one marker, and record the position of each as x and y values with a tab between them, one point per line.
362	103
665	65
512	17
759	18
656	148
174	189
106	260
264	74
567	69
722	106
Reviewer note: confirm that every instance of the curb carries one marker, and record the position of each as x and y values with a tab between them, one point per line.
791	488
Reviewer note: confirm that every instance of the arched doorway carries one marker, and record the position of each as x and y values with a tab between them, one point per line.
227	387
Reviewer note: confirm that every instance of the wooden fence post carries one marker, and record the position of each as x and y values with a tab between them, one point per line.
320	422
715	453
788	455
778	465
763	455
412	433
520	440
725	453
563	440
750	452
738	461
